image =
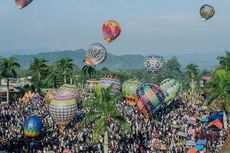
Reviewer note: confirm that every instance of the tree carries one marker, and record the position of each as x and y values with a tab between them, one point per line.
224	61
90	70
102	106
192	73
53	77
219	89
66	66
39	70
8	67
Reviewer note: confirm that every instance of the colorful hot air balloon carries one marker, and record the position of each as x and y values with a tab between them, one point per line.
129	89
22	3
108	81
111	30
32	127
63	109
96	54
171	89
207	12
153	64
150	98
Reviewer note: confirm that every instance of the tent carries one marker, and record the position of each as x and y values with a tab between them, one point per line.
217	116
199	147
192	150
190	143
215	125
201	142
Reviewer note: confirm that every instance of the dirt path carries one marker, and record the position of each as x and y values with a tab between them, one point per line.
226	148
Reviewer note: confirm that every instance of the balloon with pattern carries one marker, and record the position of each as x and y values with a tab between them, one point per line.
150	98
129	89
203	82
32	126
111	30
96	54
63	109
154	64
207	12
108	81
171	89
22	3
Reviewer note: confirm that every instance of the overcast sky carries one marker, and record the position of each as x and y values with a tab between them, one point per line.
148	26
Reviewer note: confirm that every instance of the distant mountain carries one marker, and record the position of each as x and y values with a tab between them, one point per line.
123	62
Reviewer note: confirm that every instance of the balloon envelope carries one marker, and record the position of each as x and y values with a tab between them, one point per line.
22	3
96	54
207	12
129	89
150	98
171	89
108	81
63	109
111	30
32	127
153	64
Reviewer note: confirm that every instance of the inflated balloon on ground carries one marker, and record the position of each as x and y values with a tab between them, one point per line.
111	30
96	54
32	127
171	89
150	98
108	81
129	89
207	12
63	109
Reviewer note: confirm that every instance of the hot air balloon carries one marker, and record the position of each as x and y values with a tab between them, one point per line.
63	109
108	81
153	64
111	30
22	3
207	12
96	54
150	98
32	127
129	89
171	89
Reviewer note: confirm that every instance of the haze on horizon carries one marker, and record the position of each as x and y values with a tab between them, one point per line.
149	26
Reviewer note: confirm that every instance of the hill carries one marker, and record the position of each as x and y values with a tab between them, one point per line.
122	62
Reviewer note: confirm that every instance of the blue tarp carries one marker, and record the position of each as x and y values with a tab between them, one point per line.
218	116
201	142
199	147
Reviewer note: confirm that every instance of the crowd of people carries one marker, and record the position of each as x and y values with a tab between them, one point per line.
168	131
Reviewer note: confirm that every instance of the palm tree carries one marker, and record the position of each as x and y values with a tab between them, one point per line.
88	69
53	77
66	65
224	61
8	68
219	89
102	106
192	73
39	69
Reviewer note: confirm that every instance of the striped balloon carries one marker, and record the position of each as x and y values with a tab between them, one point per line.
150	98
63	109
171	89
129	89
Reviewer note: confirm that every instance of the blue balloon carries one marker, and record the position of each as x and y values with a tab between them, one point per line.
32	127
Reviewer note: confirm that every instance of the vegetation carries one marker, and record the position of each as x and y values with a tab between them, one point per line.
8	67
103	108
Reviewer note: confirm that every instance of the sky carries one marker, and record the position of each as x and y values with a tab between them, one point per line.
148	26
